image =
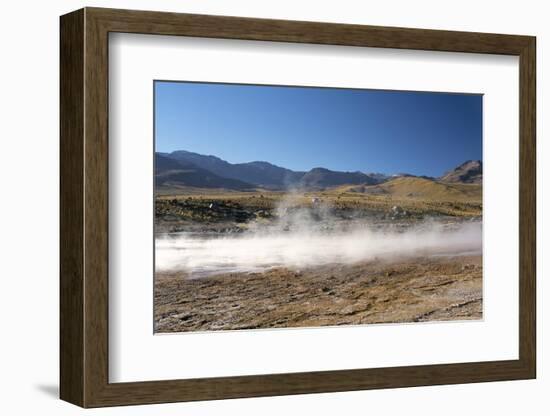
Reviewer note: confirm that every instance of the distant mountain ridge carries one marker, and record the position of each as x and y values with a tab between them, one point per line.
170	172
257	173
470	171
184	168
321	177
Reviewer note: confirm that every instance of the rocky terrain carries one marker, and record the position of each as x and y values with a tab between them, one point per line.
411	290
401	199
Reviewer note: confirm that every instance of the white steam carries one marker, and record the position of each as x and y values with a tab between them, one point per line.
302	247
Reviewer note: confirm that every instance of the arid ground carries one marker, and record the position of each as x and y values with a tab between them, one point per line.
365	293
398	283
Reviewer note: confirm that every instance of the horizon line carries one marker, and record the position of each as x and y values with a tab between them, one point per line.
398	173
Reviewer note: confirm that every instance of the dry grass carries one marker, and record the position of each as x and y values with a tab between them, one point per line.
416	195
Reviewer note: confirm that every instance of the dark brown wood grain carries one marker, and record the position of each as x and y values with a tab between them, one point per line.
71	213
84	207
527	208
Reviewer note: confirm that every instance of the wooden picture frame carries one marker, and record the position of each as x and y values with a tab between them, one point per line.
84	207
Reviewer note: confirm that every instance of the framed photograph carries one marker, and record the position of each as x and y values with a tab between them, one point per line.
255	207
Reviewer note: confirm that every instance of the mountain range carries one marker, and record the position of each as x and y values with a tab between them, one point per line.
469	172
187	169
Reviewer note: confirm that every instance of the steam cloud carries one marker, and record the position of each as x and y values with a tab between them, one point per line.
301	241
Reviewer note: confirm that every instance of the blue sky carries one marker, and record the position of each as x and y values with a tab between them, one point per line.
301	128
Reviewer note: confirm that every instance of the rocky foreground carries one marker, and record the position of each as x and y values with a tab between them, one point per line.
408	290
